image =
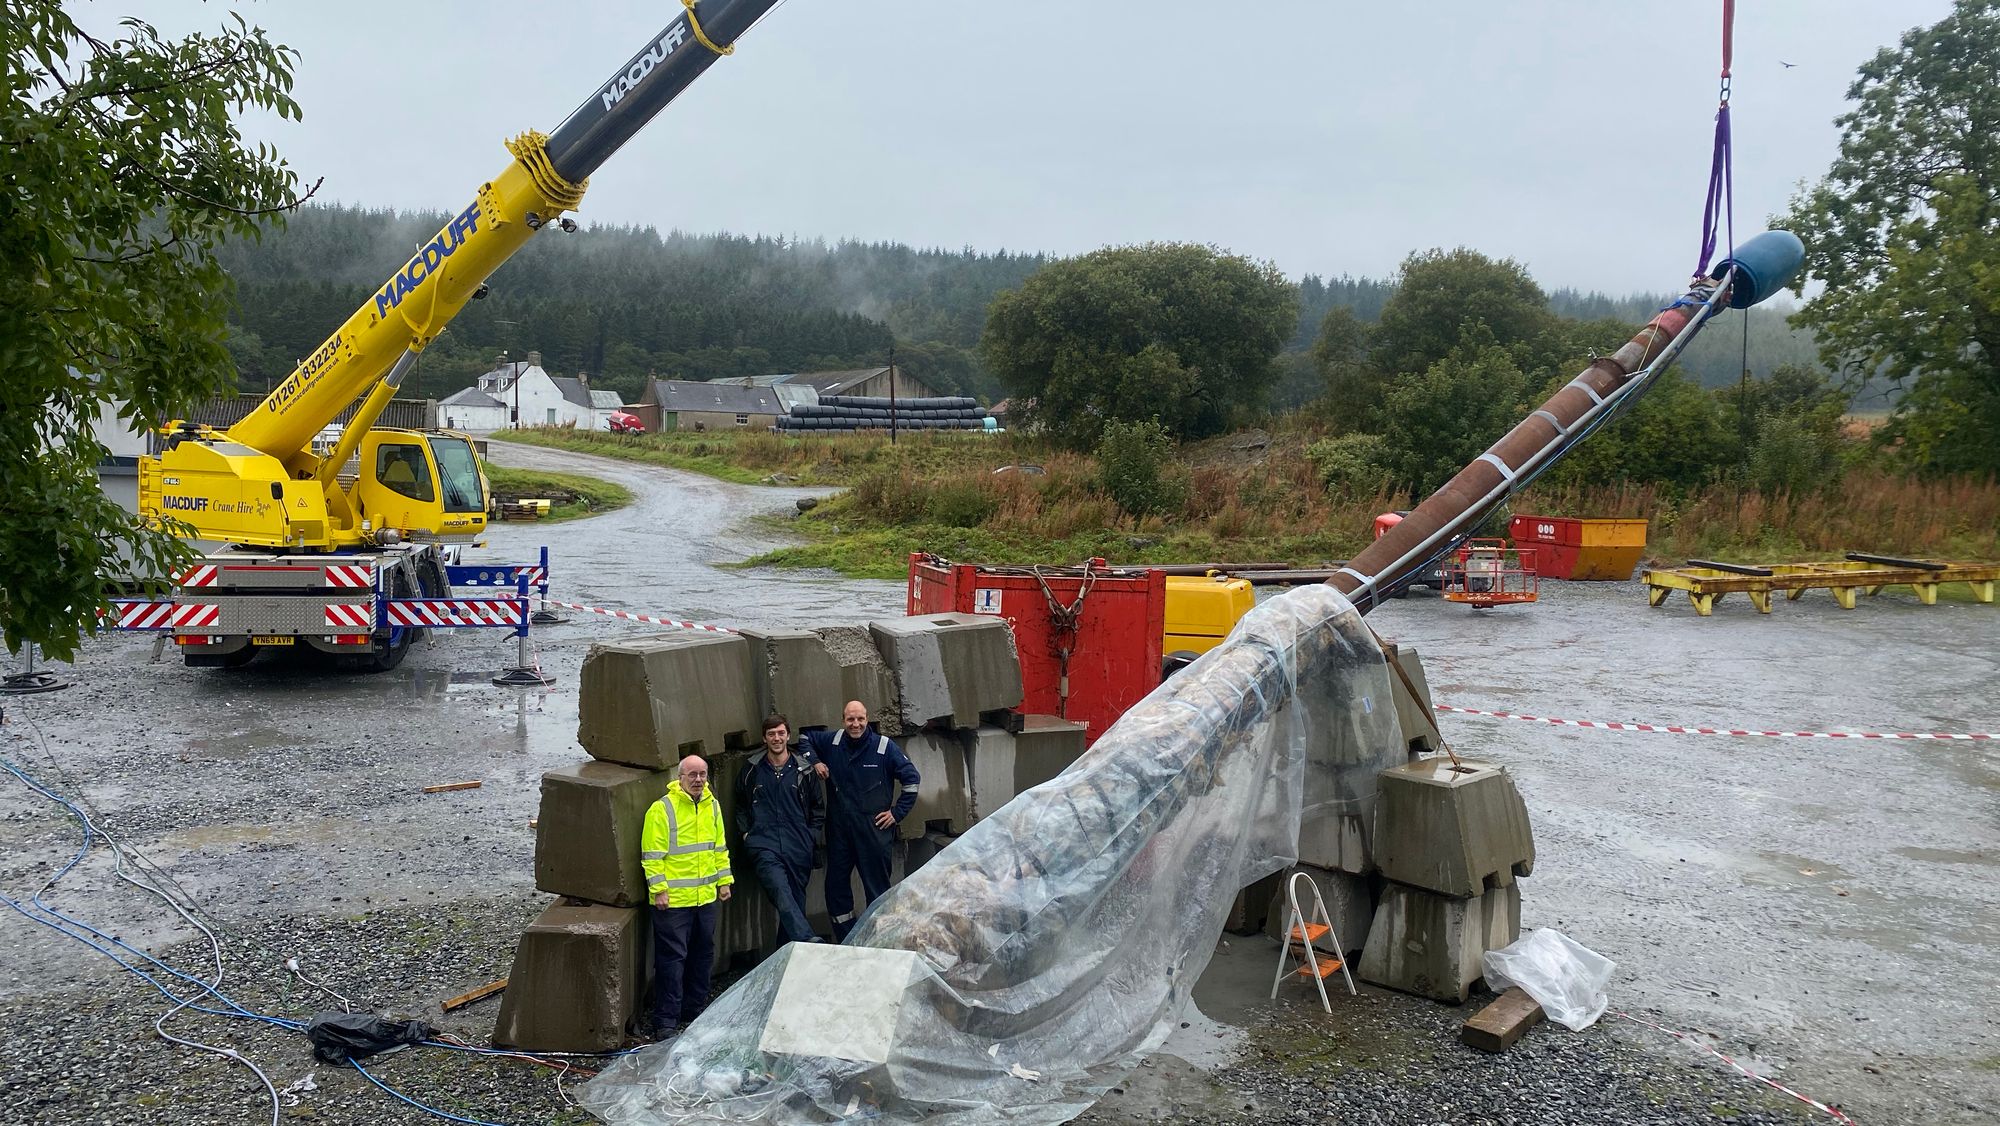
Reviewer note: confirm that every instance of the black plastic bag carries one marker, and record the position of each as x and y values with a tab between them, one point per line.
337	1037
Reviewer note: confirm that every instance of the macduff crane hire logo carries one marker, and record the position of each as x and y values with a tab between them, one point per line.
670	39
428	259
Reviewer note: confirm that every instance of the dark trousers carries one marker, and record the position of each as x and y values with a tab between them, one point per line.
849	848
683	955
784	883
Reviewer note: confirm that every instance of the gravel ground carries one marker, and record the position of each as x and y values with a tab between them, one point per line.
1384	1058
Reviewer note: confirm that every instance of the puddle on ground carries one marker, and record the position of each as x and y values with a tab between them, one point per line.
1949	856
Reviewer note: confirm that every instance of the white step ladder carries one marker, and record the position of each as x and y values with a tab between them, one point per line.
1298	950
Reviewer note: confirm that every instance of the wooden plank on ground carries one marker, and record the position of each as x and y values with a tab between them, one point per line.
479	994
472	785
1496	1027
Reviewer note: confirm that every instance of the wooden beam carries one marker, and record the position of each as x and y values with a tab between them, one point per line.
479	994
1496	1027
472	785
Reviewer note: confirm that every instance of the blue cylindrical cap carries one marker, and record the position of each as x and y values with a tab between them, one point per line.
1764	265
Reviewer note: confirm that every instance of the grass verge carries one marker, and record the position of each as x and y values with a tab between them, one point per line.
594	496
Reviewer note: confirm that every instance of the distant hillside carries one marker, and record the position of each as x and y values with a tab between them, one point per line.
623	302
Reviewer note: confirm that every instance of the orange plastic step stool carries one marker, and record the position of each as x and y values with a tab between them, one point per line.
1299	951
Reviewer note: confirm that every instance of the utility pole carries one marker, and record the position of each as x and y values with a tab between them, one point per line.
892	394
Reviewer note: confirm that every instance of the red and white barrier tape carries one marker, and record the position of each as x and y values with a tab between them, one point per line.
1832	1109
631	617
1681	729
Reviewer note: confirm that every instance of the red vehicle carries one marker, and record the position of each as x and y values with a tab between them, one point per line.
623	423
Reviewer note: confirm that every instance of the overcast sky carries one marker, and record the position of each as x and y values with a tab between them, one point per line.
1329	137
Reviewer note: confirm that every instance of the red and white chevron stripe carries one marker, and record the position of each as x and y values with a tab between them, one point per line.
144	615
202	574
629	616
195	615
537	574
1682	729
357	575
454	612
358	614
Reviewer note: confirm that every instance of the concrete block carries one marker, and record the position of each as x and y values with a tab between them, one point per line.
989	760
949	667
578	979
1249	912
648	701
1455	830
1430	944
945	794
1349	903
1414	711
794	675
919	851
1044	746
1349	709
587	833
864	675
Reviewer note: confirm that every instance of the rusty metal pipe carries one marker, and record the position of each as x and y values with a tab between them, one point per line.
1529	448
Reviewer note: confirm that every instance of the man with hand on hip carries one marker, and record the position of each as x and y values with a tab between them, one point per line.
864	767
687	874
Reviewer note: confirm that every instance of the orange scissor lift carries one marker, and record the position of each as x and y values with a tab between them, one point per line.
1488	573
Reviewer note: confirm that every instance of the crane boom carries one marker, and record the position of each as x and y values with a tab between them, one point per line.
547	176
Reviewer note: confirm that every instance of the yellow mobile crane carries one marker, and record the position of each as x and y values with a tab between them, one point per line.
303	544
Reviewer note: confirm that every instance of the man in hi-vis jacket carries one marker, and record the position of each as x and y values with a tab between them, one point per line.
864	767
687	874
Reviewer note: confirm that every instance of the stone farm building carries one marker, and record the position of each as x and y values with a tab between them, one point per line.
756	402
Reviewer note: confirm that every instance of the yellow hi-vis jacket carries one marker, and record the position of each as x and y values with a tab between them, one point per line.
682	849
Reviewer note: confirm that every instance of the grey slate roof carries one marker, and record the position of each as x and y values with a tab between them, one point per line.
572	389
825	382
605	400
471	397
718	396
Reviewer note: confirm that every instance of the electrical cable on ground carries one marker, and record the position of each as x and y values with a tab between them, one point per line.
38	911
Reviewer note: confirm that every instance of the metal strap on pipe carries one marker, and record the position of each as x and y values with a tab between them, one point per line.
1553	421
1494	461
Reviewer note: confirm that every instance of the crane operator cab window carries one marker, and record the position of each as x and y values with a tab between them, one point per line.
403	469
458	472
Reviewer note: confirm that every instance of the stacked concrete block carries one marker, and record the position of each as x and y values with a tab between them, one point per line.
1431	945
944	797
1044	747
1452	829
650	701
587	835
1451	838
864	676
949	667
578	978
794	675
990	767
1413	709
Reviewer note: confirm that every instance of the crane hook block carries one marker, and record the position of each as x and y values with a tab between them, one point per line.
1764	265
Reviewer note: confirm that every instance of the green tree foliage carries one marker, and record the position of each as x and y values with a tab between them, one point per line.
1353	384
623	303
1436	422
1350	464
1135	464
1440	295
1175	332
1904	232
1675	435
123	170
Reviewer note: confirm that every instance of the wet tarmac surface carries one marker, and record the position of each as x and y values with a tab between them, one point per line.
1829	909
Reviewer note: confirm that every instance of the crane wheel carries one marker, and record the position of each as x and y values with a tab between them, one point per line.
392	645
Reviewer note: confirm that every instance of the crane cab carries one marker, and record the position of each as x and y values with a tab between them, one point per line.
426	484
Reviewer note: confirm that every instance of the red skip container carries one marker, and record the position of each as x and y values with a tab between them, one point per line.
1114	651
1569	547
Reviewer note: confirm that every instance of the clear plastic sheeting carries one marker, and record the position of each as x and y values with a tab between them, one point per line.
1030	965
1565	977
